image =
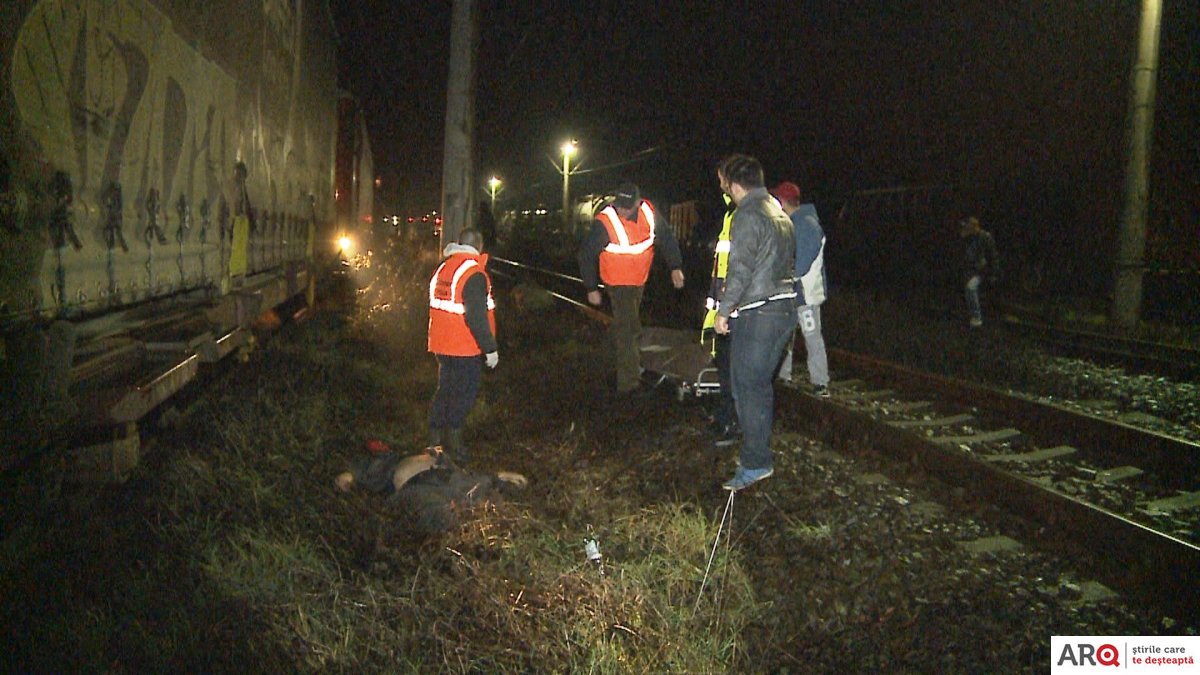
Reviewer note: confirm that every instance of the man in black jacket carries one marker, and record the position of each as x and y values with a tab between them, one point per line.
757	310
980	261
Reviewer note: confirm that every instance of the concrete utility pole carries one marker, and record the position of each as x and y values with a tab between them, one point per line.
1127	289
457	168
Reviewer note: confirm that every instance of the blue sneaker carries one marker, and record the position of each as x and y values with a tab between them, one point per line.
744	478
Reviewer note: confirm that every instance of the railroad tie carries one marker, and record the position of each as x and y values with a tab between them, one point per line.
866	396
935	422
1181	502
997	436
1035	456
842	385
997	544
1117	473
904	406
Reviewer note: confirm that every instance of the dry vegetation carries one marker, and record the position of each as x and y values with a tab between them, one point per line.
230	551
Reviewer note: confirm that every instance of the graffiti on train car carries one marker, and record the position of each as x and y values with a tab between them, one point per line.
133	132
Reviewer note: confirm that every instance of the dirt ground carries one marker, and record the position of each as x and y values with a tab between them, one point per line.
855	564
866	565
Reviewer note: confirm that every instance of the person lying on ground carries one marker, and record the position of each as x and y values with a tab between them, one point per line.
427	485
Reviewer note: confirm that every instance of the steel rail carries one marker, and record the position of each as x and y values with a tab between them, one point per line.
1166	359
1174	460
1138	560
588	310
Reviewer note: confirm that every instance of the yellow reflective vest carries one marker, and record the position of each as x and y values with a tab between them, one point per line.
720	268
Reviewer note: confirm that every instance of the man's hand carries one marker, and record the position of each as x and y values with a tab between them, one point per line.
492	359
594	298
721	325
677	278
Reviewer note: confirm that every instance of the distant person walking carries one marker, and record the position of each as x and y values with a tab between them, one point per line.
980	261
810	287
462	336
487	224
724	420
619	251
757	310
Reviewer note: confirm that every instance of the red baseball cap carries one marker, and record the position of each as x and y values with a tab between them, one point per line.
786	192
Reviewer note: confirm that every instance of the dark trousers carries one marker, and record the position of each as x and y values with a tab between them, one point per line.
458	385
725	415
625	331
758	339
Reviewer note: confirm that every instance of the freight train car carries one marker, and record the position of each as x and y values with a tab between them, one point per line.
166	177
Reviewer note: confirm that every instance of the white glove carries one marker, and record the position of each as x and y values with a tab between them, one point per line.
491	359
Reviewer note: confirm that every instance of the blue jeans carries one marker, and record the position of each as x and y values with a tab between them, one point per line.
758	339
725	415
972	292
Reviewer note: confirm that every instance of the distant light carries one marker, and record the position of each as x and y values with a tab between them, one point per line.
378	182
493	182
568	148
345	244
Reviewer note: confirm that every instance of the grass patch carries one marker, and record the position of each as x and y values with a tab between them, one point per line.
229	550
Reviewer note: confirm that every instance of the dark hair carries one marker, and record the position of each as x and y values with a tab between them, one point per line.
743	170
471	237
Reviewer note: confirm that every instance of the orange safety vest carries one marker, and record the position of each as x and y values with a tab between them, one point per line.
449	334
630	251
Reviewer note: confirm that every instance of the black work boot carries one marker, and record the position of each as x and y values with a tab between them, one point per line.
454	446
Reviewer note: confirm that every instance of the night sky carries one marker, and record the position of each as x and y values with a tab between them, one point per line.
1020	106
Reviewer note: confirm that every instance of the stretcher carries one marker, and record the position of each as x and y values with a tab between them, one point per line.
676	357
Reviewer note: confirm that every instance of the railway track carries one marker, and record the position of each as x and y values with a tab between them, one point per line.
1138	355
1121	500
1134	354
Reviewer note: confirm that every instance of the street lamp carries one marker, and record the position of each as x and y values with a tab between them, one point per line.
494	184
568	149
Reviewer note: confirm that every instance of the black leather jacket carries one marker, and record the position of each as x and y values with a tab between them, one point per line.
762	253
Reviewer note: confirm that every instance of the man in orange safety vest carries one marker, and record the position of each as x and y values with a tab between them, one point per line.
462	336
619	251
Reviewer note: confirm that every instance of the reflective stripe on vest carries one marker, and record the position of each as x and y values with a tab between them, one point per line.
449	333
720	268
449	305
624	261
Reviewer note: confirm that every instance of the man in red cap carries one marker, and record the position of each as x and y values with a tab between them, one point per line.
810	285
